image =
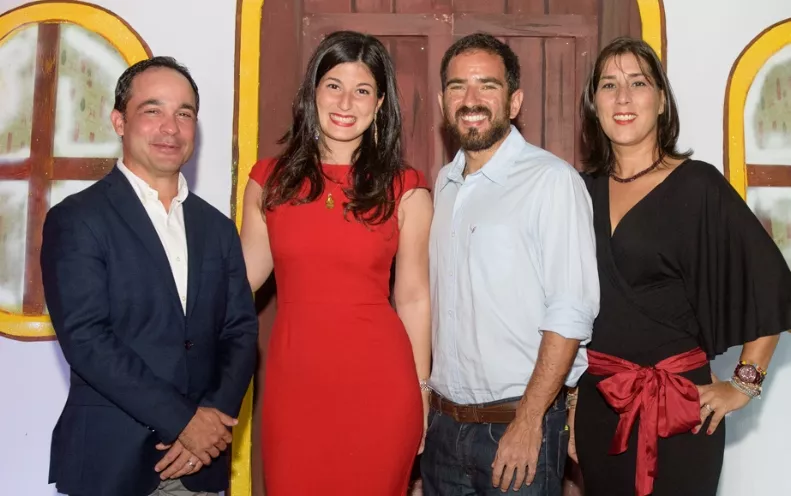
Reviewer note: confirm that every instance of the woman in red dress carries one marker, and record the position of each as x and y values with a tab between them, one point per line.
342	406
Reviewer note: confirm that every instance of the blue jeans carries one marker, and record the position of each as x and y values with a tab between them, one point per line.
457	460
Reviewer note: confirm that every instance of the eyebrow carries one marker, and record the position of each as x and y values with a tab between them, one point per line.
154	101
484	80
632	75
341	82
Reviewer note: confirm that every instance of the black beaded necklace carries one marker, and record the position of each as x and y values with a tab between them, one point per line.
638	175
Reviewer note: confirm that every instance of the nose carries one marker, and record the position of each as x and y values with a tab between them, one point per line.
345	102
471	97
168	125
623	94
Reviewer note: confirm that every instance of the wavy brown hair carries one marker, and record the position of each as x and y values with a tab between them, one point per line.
376	164
598	156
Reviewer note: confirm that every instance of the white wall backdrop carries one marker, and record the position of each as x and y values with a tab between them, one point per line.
33	376
704	39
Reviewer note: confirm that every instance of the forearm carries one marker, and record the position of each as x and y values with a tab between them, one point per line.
555	357
760	351
416	317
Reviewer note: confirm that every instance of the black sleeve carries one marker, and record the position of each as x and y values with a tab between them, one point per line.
735	276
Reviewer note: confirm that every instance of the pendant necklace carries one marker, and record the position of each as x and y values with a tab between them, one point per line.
330	201
638	175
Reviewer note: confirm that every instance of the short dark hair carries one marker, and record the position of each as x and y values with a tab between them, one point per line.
486	43
123	89
598	155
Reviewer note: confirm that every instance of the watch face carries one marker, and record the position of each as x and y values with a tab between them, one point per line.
748	374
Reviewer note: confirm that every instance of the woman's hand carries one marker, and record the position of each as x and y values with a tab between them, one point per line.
570	422
425	421
717	400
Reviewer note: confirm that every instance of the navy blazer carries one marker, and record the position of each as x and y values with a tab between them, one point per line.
139	366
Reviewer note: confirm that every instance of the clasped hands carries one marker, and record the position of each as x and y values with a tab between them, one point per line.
204	438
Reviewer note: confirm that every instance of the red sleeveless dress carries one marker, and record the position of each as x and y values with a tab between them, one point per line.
342	410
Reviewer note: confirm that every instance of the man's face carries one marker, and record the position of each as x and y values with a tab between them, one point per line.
158	126
475	100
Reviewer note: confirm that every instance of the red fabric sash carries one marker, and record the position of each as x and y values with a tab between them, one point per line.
667	403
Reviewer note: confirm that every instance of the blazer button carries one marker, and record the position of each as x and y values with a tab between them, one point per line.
188	344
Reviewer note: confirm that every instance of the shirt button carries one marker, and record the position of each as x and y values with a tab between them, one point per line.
187	344
453	234
183	299
178	259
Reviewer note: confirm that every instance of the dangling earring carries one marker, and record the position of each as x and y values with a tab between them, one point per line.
376	133
316	135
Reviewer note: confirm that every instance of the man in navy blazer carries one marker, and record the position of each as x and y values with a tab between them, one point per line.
147	290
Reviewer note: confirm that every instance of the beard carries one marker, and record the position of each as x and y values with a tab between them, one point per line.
474	140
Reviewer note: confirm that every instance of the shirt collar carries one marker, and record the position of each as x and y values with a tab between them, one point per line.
496	169
145	192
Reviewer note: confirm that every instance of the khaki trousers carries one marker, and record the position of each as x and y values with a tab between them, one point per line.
174	487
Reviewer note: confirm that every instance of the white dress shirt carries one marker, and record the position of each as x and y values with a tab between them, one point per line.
168	224
513	254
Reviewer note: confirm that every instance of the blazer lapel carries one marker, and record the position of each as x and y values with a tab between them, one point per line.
195	242
128	205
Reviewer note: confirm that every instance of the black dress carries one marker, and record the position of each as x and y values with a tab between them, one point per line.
689	265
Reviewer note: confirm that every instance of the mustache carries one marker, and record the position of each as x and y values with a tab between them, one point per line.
478	109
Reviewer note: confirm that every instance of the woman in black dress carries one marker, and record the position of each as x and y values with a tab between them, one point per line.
686	271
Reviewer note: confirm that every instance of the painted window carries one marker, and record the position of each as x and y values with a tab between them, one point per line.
59	62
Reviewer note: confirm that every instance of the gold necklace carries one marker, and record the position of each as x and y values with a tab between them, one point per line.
330	201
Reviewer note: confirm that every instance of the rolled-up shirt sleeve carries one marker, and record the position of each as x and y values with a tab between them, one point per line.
568	254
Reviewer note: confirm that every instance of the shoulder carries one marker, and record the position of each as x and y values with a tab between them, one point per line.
700	178
548	169
262	170
210	215
410	179
86	204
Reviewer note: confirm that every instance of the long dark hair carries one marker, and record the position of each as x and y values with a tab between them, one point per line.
598	154
376	164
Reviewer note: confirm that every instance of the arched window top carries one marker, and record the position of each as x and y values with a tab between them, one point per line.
765	59
56	138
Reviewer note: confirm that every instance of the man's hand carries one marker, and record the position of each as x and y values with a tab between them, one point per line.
207	433
177	462
518	452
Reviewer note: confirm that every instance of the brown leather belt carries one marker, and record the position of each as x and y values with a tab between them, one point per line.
501	413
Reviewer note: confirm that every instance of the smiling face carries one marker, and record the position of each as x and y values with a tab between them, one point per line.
475	100
346	104
158	125
628	103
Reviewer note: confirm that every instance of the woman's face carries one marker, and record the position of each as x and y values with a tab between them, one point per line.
346	103
628	103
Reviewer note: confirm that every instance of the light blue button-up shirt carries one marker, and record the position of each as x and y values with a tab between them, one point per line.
512	255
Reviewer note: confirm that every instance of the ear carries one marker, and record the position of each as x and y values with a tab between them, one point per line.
117	118
440	103
379	103
662	102
516	103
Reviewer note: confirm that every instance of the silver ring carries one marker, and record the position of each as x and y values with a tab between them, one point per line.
708	407
190	463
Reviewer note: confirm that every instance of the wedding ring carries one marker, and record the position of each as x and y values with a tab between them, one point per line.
708	407
190	463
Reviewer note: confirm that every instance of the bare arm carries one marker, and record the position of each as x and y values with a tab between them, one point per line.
760	351
255	238
411	292
555	356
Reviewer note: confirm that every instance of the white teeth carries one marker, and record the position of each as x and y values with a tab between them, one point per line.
473	118
345	120
625	117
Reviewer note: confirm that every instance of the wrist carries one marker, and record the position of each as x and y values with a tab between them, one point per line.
752	391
